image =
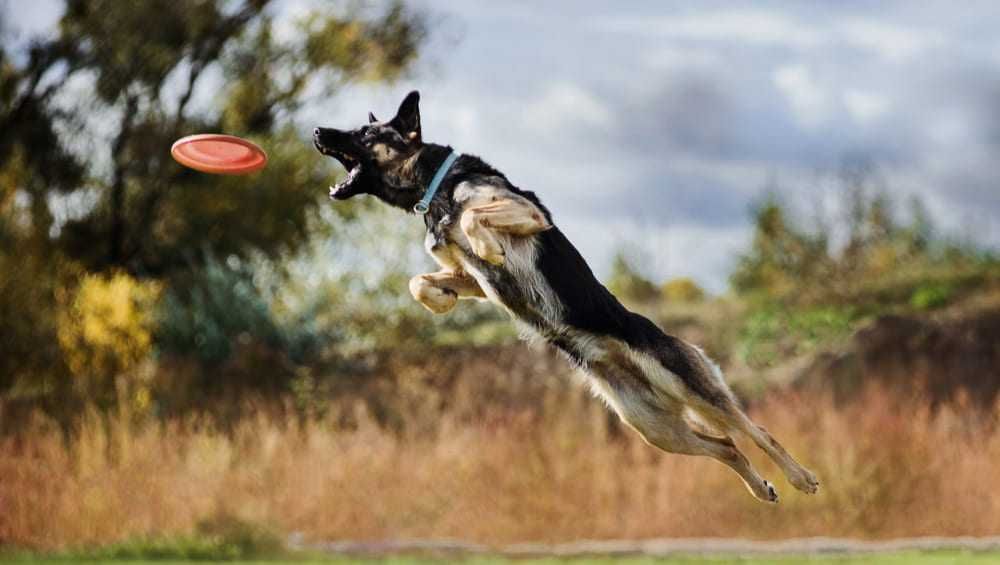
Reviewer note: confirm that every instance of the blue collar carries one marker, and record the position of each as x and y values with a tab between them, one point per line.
425	202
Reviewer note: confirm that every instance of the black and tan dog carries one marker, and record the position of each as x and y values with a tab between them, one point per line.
495	241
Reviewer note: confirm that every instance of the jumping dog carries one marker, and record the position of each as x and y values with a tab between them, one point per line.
495	241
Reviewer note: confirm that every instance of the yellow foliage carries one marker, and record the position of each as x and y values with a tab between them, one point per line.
12	176
106	326
682	289
884	258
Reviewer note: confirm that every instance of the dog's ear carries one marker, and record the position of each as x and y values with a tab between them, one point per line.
371	118
407	120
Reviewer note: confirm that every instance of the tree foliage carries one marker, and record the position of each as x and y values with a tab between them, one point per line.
97	221
628	283
93	111
875	251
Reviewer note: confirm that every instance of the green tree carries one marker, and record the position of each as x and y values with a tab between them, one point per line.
781	256
92	112
682	289
87	185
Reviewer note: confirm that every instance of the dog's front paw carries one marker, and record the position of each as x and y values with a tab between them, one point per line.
487	251
436	299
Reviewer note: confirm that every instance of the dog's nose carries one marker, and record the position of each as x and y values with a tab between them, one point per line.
315	132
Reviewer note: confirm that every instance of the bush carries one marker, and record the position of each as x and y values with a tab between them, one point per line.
219	335
773	333
105	330
931	295
628	284
215	308
682	289
881	250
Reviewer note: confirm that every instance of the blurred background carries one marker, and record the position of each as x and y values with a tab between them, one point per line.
809	192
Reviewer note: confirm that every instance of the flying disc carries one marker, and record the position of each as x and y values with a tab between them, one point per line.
219	154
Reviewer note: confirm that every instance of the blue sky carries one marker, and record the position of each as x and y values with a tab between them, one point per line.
654	126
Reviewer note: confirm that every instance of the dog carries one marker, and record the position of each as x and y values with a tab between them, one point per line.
495	241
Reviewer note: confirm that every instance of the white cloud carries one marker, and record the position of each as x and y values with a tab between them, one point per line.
865	106
810	101
565	104
745	26
892	42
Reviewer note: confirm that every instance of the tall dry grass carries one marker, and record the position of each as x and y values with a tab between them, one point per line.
888	468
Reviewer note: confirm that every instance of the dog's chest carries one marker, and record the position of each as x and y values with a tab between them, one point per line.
518	285
445	241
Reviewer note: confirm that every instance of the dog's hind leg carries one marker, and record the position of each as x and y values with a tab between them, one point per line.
660	421
508	215
438	292
674	435
728	416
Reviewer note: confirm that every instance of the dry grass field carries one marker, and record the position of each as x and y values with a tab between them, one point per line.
889	468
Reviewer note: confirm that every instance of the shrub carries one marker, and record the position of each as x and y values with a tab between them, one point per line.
931	295
627	283
682	289
105	329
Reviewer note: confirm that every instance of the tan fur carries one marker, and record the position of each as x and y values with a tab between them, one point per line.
439	291
485	221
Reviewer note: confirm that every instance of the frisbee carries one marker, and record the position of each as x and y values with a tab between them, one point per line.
219	154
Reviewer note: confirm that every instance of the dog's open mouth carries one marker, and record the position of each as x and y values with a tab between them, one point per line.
345	188
340	146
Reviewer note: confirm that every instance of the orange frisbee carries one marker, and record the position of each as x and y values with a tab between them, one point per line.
219	154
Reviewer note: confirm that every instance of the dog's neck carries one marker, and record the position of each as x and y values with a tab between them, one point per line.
412	178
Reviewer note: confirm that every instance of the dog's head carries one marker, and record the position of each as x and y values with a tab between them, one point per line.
378	156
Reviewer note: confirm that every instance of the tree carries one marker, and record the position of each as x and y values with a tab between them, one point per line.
781	256
628	283
94	212
147	69
682	289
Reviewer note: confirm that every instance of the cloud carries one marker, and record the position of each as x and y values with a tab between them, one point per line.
809	100
731	26
565	105
890	41
893	42
865	106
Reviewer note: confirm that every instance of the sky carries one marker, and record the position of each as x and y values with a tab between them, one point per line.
653	127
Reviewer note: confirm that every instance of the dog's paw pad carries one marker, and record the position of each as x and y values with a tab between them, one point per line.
770	494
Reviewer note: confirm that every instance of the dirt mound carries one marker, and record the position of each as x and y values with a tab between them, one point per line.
938	358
